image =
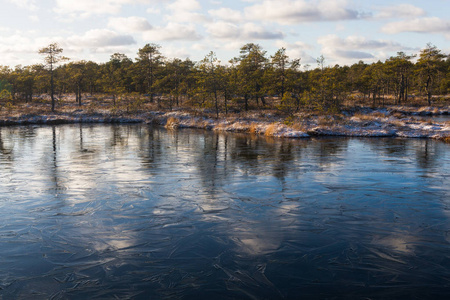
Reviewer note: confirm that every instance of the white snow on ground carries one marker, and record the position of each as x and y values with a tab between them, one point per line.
425	110
388	126
381	124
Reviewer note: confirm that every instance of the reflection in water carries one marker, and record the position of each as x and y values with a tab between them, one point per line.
124	211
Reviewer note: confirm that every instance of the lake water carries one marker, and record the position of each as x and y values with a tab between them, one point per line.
131	211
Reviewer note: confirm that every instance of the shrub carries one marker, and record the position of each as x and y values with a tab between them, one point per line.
9	106
289	121
5	95
288	104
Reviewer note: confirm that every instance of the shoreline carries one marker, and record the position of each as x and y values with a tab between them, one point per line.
364	122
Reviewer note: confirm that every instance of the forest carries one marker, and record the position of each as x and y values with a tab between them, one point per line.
252	80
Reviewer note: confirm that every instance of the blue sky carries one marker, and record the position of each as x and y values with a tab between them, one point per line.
343	31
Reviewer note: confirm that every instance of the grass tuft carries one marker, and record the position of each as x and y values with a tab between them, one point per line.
253	128
271	129
172	123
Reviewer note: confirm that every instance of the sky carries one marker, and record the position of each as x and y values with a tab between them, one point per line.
343	31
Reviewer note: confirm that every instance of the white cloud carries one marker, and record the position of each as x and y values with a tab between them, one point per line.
227	14
109	50
130	24
356	42
200	47
400	11
184	5
34	18
93	7
420	25
21	42
353	54
176	52
16	43
223	30
300	11
245	32
252	31
173	31
25	4
355	48
22	47
297	50
186	17
100	38
153	11
232	45
184	11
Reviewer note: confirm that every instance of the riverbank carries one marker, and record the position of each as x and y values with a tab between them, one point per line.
395	121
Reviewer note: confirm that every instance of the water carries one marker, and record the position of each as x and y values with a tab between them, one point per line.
100	211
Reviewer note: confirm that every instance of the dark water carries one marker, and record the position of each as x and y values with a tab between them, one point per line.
101	212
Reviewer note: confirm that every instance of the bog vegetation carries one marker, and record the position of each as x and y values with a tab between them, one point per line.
253	80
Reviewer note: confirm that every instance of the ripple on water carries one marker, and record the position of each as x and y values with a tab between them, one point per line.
140	212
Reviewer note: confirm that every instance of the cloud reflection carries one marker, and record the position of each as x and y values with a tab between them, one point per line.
106	208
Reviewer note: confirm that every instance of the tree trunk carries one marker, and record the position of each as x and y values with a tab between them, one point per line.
263	101
216	104
374	97
52	88
401	90
428	89
406	89
78	96
226	103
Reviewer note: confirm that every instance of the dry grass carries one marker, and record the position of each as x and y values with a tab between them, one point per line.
397	123
370	117
364	117
172	123
299	127
446	139
253	128
326	121
398	115
220	127
271	129
378	114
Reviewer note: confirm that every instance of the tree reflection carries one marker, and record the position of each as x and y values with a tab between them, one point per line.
284	157
150	147
81	137
427	154
394	147
181	212
118	137
328	149
5	151
58	187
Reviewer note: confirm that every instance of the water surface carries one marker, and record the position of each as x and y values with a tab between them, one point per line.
130	211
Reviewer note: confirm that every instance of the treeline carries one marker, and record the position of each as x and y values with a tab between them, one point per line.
252	79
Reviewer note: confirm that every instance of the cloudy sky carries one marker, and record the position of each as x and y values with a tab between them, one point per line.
344	31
